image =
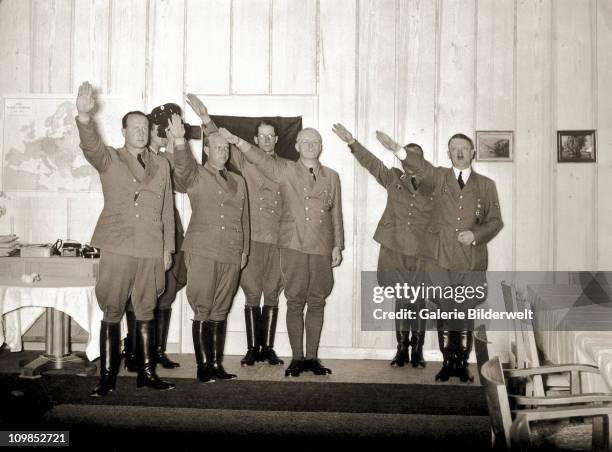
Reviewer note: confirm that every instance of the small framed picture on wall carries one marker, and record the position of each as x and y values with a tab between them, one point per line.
576	146
494	145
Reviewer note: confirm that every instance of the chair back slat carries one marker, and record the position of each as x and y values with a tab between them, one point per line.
497	401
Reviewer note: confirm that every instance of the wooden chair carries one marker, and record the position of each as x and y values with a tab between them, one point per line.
525	426
541	379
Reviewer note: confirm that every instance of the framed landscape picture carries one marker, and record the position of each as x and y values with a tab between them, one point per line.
494	145
576	146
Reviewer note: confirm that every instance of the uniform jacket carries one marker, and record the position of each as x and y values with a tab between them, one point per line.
403	226
265	201
475	208
311	220
138	215
219	225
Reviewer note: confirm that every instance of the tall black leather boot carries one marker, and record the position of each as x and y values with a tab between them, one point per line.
110	359
447	366
199	345
401	356
466	339
268	331
215	332
129	343
145	356
252	315
416	352
162	318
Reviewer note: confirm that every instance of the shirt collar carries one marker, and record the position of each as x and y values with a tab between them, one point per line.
465	173
317	168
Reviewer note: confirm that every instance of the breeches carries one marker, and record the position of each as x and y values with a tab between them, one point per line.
211	287
121	277
262	275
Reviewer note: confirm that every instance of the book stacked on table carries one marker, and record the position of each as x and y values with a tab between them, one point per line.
8	245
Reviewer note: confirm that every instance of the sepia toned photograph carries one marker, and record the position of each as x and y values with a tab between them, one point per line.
494	146
576	146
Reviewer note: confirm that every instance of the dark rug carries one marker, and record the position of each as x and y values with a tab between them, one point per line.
259	395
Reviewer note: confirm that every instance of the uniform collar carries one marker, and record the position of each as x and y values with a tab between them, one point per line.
465	173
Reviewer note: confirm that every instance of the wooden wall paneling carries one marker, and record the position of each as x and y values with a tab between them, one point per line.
575	208
16	70
456	89
51	55
416	73
495	110
128	51
376	110
534	146
90	44
604	134
83	216
294	46
337	103
166	38
250	51
207	46
15	46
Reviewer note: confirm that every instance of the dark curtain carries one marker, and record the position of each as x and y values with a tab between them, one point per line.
287	129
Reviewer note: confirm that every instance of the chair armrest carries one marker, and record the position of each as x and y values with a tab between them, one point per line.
554	369
561	399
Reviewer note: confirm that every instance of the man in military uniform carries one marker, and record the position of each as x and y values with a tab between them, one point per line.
135	234
262	273
311	239
466	217
216	244
176	276
402	236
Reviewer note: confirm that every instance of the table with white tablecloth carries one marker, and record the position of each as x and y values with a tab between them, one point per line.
574	327
21	304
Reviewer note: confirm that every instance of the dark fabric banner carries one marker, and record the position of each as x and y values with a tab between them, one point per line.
287	129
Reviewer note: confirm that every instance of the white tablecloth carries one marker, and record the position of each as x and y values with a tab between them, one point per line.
21	304
560	331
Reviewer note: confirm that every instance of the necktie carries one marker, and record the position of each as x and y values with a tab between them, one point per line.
414	183
460	180
223	175
140	160
312	173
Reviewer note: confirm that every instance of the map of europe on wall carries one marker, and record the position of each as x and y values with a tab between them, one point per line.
40	144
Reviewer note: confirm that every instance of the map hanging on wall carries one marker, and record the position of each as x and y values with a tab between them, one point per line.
40	143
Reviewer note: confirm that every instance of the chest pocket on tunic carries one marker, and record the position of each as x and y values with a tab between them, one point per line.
324	204
150	200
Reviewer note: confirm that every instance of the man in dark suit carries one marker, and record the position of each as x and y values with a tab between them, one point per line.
135	234
403	238
465	218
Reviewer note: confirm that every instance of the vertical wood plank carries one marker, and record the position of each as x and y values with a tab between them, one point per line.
574	95
376	108
534	145
128	51
416	72
337	103
90	44
456	73
165	56
604	133
250	47
14	46
294	46
495	110
83	216
51	27
207	46
28	224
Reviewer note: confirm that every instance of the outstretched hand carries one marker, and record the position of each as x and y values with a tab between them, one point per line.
85	102
229	136
343	134
388	142
198	107
175	129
